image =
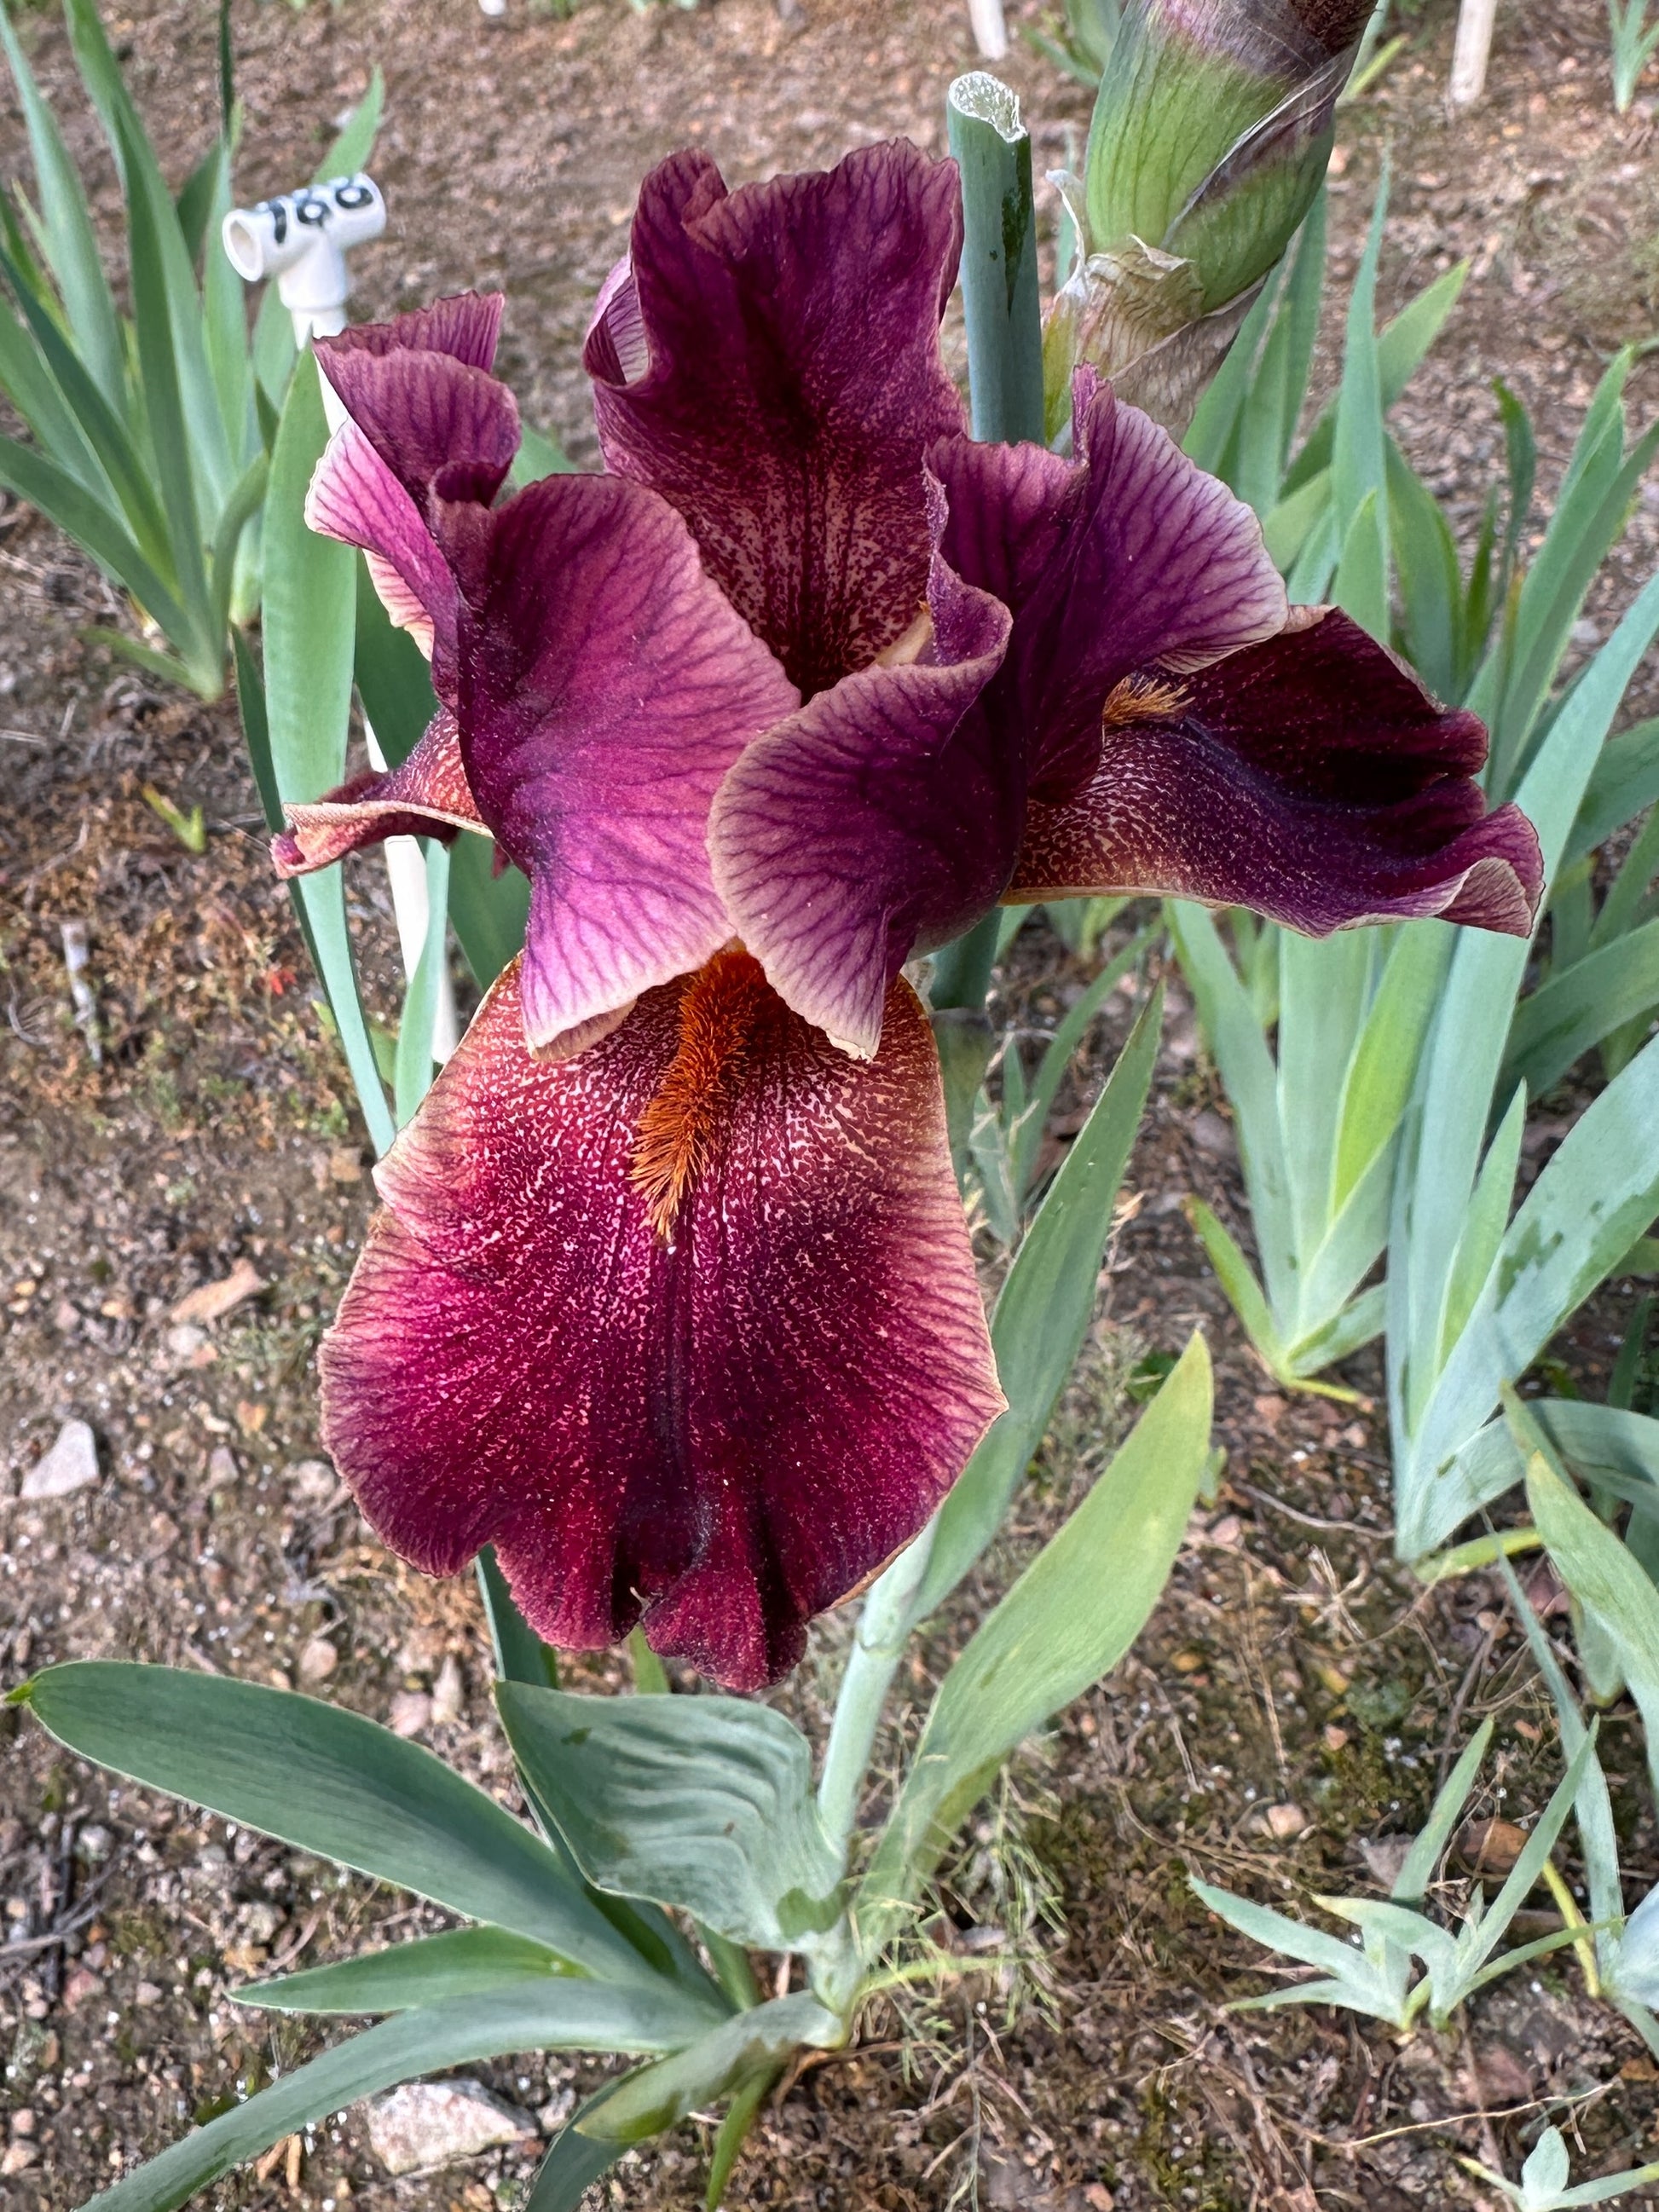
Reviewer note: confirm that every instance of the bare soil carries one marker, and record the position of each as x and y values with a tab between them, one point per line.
1297	1695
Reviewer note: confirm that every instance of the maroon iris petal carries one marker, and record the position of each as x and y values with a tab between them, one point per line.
884	816
466	325
770	363
1130	559
425	796
444	427
1311	778
355	497
431	433
604	687
688	1328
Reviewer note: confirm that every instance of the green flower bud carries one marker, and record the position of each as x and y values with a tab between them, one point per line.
1211	135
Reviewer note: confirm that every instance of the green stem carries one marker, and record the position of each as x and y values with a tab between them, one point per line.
732	1968
999	257
650	1675
885	1626
962	969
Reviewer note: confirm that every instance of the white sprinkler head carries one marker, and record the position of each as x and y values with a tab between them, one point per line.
303	239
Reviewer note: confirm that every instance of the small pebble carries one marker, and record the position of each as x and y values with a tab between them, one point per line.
1284	1821
318	1660
447	1692
211	1301
147	1993
1492	1846
1213	1135
16	2157
426	2124
71	1464
557	2110
313	1480
411	1712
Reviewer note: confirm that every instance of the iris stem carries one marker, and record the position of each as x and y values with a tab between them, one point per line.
962	969
884	1625
992	149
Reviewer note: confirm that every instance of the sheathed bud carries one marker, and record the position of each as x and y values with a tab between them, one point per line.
1211	134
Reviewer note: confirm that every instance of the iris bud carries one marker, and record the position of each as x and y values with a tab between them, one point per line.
1211	134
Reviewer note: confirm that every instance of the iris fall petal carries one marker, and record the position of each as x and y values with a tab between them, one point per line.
1128	559
1311	778
688	1327
425	796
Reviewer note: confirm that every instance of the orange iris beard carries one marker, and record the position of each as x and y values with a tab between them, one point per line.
716	1016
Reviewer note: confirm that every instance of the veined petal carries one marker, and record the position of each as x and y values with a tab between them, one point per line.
466	325
721	1429
424	796
430	431
604	687
1311	778
1129	559
883	817
768	362
355	497
445	429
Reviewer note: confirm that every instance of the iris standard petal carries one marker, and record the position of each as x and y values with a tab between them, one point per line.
688	1327
768	362
1311	778
464	325
430	430
882	818
604	687
424	796
1130	558
446	428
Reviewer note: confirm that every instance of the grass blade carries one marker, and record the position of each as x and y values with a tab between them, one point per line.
72	246
1066	1621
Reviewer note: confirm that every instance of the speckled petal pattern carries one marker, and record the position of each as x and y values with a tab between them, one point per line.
721	1430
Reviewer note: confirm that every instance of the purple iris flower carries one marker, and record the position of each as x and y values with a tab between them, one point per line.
672	1301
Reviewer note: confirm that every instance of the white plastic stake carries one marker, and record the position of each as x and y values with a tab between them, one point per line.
990	30
1475	18
301	239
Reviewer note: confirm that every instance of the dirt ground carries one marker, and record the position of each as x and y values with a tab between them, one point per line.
1296	1696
